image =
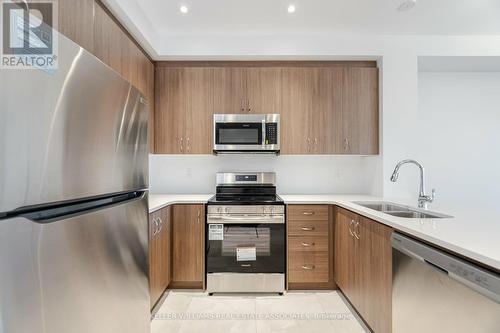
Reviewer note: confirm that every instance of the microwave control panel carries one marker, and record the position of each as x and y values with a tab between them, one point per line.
271	133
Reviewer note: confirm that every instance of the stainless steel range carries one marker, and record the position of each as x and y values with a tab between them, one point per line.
246	235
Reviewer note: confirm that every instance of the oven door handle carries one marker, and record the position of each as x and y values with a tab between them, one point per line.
247	219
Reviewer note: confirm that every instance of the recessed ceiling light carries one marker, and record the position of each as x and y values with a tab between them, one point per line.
291	9
184	9
407	5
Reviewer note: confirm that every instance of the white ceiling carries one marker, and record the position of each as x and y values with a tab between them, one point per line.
437	17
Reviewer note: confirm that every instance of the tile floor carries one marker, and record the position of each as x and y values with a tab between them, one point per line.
311	312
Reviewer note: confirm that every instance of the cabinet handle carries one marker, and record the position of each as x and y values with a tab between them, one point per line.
308	144
307	244
315	144
155	223
350	230
241	104
246	265
307	213
308	267
160	224
248	104
346	144
188	146
356	227
307	228
181	146
198	217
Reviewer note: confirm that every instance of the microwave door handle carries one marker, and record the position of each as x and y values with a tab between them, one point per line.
263	133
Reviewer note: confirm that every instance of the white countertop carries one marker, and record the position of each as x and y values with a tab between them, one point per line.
470	234
157	201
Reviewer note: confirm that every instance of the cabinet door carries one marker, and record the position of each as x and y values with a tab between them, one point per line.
76	21
107	39
170	110
197	105
298	94
229	90
154	260
375	272
360	111
327	125
188	231
344	253
263	90
165	244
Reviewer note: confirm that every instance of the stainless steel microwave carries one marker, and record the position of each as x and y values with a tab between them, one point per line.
246	133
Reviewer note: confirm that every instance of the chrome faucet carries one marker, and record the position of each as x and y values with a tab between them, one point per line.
423	198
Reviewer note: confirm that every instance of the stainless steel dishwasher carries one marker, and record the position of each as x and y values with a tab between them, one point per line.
434	291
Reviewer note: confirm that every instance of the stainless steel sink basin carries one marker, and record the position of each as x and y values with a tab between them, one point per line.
400	210
414	215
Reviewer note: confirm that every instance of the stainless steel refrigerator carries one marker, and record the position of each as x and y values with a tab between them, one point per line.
73	199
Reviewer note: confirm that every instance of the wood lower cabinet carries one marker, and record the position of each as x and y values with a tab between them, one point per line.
188	246
363	267
309	247
160	226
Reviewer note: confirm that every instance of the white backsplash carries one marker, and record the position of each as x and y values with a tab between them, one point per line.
295	174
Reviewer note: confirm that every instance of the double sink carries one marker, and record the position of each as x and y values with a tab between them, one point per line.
400	210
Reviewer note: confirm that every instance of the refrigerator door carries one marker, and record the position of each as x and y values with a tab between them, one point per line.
78	132
80	274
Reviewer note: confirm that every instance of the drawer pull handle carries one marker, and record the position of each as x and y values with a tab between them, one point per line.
307	244
307	228
307	213
246	265
308	267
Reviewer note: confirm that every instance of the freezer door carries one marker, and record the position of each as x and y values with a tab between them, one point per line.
78	132
87	273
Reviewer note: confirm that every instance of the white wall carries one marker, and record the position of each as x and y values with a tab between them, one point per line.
459	120
295	174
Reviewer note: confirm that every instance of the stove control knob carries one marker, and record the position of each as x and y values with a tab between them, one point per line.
219	210
226	210
272	210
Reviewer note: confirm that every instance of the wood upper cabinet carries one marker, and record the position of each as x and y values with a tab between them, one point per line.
183	116
263	90
360	114
229	90
159	252
246	90
76	21
311	110
363	267
107	39
188	246
325	109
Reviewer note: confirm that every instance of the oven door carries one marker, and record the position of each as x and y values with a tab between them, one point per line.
245	247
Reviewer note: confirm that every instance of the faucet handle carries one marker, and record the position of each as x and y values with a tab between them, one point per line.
433	195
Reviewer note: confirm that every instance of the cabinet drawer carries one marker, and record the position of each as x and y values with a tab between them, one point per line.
307	243
308	267
308	212
307	228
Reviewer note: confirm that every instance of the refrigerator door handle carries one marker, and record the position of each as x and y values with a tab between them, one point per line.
58	212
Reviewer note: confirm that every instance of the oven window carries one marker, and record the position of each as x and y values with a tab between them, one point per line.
247	248
239	134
